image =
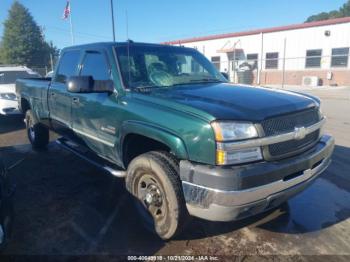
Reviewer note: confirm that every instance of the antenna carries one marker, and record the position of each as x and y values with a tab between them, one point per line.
128	47
113	24
127	24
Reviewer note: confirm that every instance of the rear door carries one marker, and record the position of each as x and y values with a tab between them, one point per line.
59	99
89	110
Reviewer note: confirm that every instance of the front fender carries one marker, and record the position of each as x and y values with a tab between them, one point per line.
159	134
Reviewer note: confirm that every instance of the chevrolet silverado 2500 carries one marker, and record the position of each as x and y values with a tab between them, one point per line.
186	141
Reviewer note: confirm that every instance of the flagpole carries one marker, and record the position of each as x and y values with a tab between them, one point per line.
113	26
71	24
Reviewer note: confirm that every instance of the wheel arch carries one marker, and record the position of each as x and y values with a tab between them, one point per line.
24	105
158	139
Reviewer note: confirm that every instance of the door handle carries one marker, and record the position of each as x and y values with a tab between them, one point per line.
75	100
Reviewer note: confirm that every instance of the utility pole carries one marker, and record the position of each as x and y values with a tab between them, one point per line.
113	26
260	65
234	59
284	63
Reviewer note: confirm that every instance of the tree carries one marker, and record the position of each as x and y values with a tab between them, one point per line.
343	11
23	42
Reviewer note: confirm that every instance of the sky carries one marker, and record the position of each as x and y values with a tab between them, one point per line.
163	20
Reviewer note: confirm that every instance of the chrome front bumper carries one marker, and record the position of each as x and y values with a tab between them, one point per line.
223	205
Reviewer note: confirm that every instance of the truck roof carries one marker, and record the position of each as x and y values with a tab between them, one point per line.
111	44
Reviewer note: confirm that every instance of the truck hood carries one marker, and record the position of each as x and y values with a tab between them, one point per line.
234	102
8	88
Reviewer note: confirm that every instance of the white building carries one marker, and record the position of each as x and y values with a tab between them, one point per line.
286	54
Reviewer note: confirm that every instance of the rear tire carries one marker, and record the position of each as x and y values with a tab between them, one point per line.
153	180
38	134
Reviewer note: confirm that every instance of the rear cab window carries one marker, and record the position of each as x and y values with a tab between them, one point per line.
68	66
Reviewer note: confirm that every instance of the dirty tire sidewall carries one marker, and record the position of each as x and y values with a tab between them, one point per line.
154	165
38	134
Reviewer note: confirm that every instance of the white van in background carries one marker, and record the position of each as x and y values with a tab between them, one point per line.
8	77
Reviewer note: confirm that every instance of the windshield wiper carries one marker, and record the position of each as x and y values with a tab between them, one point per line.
143	88
146	88
199	81
206	80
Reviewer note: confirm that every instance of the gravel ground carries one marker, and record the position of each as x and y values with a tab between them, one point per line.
64	206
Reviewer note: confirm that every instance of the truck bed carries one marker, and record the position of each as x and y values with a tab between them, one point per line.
35	90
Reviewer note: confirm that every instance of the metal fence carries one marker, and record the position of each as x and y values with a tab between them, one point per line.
311	70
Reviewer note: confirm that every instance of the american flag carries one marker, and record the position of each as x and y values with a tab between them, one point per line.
66	11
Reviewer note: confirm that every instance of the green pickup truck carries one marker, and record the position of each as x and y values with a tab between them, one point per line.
187	142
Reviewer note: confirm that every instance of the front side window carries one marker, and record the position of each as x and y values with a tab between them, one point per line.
95	65
313	58
271	61
10	77
164	66
68	66
340	57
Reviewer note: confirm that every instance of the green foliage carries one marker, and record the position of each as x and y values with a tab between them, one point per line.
23	42
343	11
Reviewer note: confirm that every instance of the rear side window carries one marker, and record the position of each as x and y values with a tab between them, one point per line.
68	66
95	65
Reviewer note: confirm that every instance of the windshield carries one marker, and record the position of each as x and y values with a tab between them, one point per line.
10	77
164	66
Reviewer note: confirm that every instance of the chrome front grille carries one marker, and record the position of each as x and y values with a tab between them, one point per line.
286	124
287	147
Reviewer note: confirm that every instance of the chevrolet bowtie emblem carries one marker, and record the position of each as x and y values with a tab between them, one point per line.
299	133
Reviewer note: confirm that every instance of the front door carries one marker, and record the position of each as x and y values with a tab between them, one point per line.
89	110
59	99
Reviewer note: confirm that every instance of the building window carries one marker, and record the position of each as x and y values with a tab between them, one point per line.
271	61
216	61
313	58
340	57
252	57
253	60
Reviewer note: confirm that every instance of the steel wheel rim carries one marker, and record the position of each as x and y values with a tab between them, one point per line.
151	197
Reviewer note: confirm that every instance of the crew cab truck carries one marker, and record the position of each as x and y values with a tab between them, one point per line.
187	142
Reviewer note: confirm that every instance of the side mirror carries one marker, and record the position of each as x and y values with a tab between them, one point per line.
224	74
80	84
103	86
86	84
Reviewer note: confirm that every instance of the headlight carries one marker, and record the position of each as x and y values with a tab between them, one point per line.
238	156
8	96
228	131
232	131
320	113
321	116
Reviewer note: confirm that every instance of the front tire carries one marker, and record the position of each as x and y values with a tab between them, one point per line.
153	180
38	134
